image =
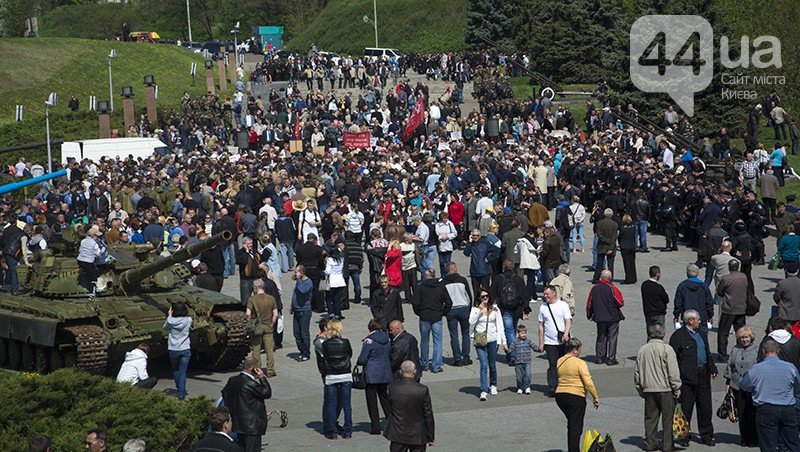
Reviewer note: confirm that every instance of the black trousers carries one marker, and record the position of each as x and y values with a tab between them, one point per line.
770	207
147	383
726	321
553	352
87	275
606	344
318	302
375	393
397	447
250	443
700	395
747	416
480	281
671	234
629	264
574	408
658	405
601	265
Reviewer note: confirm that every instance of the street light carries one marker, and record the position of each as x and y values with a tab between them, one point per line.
235	33
374	19
51	101
189	22
111	55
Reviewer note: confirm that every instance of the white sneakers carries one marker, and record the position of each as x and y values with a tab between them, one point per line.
519	391
483	396
527	390
493	390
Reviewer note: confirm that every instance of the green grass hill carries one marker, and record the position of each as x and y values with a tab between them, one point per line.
433	25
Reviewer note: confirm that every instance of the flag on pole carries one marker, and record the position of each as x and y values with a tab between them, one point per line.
415	119
297	135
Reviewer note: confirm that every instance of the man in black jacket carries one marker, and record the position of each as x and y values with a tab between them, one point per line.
225	223
654	300
697	369
431	302
386	304
219	440
410	425
512	297
604	308
244	395
404	348
248	260
312	257
693	294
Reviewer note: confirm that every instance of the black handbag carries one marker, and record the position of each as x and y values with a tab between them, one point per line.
728	408
359	379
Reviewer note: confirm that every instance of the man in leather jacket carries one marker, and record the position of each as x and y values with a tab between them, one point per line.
244	395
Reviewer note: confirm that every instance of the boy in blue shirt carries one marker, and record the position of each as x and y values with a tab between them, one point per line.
521	348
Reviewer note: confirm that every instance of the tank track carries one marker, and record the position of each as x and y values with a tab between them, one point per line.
92	348
235	348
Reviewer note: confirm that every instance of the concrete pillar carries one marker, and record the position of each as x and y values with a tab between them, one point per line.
130	118
232	67
150	93
210	81
105	125
223	82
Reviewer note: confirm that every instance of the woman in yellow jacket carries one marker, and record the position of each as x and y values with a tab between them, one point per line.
573	382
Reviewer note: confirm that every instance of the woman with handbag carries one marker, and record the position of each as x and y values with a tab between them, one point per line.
333	361
743	356
574	381
335	271
374	357
486	323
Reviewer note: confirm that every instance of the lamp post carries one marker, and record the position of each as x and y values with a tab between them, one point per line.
374	19
111	55
235	33
51	101
189	21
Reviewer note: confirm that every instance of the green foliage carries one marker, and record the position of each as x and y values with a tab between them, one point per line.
492	20
402	24
66	404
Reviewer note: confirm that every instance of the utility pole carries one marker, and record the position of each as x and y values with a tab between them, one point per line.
375	19
189	20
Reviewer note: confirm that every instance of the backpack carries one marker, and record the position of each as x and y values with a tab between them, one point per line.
571	216
508	294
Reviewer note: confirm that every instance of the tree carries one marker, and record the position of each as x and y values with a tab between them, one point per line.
493	20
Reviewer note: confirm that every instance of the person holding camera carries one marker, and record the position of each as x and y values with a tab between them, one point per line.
244	395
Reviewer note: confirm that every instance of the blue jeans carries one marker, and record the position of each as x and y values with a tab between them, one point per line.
286	255
179	359
594	250
455	318
510	327
709	276
333	301
577	233
355	277
337	398
641	233
425	330
427	260
565	247
12	278
229	254
301	321
488	357
444	259
530	276
523	373
777	424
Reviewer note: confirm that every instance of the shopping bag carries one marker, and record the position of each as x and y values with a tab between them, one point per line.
775	261
279	324
588	439
680	426
602	444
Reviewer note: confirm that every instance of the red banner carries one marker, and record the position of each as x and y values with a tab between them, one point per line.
415	119
356	139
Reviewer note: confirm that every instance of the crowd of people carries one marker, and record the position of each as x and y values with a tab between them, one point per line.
515	203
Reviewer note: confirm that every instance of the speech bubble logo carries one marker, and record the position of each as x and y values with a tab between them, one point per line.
673	55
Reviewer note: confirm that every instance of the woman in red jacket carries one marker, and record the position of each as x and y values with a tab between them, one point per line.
456	213
393	264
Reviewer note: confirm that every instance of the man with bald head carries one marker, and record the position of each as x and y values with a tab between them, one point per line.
404	348
409	424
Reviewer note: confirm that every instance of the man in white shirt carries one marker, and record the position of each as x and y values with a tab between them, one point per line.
667	156
555	323
272	214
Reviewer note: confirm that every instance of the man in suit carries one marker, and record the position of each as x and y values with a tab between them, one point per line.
219	440
244	395
410	424
697	369
404	348
607	232
654	300
732	293
719	263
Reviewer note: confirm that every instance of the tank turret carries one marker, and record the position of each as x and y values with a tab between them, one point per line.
131	280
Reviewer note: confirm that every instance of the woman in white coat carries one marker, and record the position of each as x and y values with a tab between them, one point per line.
485	319
528	260
576	214
335	271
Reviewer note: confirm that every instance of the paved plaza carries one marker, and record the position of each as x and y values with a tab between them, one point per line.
508	420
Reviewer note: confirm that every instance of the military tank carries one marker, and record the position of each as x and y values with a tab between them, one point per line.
59	323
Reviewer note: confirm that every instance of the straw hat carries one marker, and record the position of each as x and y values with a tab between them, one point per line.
94	231
299	205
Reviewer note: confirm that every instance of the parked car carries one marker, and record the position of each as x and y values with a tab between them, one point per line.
375	53
331	56
286	54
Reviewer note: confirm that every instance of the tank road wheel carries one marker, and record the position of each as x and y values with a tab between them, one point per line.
14	354
3	352
28	358
41	360
56	359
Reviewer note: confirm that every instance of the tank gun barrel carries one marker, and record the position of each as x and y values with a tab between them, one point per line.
131	279
7	188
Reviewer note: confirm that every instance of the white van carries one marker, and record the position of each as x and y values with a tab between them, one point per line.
112	148
375	54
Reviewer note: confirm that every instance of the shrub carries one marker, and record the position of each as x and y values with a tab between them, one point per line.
67	403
